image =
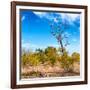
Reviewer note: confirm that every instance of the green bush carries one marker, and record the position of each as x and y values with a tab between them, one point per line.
50	56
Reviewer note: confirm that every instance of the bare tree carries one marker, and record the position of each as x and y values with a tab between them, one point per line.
58	28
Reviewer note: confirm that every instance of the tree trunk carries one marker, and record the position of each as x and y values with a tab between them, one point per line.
61	46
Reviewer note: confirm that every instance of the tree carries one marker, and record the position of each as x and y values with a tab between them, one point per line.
51	54
76	57
39	50
41	55
57	30
25	59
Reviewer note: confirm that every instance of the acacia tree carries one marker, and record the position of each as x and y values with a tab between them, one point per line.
58	28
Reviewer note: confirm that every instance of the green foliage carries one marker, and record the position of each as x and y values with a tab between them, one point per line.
50	56
76	57
66	61
24	59
35	59
41	56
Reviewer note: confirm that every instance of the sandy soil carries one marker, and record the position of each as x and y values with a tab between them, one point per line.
48	71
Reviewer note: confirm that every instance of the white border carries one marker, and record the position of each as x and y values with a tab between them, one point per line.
50	80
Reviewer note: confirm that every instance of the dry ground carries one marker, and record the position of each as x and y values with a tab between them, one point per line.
48	71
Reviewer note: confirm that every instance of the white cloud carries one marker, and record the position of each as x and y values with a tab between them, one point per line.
23	18
41	14
69	16
73	16
28	45
44	15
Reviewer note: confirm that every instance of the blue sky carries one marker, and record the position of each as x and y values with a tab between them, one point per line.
36	30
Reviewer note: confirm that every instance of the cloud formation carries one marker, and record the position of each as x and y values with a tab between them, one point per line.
53	16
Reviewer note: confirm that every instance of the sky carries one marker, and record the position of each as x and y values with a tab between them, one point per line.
36	30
